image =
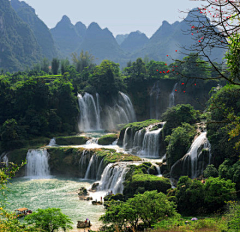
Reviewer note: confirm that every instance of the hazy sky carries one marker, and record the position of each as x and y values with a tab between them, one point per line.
120	17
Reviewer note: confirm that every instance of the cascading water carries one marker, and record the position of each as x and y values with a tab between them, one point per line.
172	96
37	163
92	141
150	147
52	142
4	158
145	142
120	112
201	142
92	168
126	103
113	177
89	113
157	168
195	161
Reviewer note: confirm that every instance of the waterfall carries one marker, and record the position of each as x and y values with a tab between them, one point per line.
52	142
145	142
113	177
127	139
172	96
158	169
100	169
150	147
199	143
194	162
128	106
4	158
119	112
92	168
92	141
37	163
89	113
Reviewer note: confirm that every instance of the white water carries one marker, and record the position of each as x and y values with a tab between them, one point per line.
52	142
37	164
158	169
113	177
92	141
4	158
92	168
93	117
172	96
150	147
199	143
89	113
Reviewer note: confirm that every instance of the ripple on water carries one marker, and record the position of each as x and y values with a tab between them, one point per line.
55	192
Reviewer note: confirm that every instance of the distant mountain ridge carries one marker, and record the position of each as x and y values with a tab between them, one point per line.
66	38
39	29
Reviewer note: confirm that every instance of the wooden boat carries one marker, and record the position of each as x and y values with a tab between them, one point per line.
22	212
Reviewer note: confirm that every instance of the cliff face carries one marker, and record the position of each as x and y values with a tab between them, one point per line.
18	45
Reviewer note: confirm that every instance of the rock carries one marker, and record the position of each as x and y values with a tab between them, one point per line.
82	224
94	186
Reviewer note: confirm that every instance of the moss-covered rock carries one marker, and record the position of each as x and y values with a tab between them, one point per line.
107	139
71	140
138	180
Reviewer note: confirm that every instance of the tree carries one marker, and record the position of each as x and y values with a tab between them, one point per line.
215	25
49	219
83	61
149	207
55	65
45	65
179	142
210	171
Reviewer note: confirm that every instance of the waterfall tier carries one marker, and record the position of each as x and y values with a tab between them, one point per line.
95	117
91	166
89	113
113	177
196	159
52	142
37	163
145	142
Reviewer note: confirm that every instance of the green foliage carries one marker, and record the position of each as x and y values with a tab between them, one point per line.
49	219
179	142
177	115
224	107
149	207
233	217
210	171
55	65
107	139
71	140
194	197
9	133
230	170
138	181
85	60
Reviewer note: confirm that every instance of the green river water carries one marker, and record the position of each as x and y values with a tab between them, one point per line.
54	192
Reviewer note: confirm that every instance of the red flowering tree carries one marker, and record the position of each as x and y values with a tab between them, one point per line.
215	25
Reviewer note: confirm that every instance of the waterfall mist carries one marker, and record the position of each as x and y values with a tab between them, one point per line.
37	163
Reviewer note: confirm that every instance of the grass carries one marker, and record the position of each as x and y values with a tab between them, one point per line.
71	140
203	224
139	125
